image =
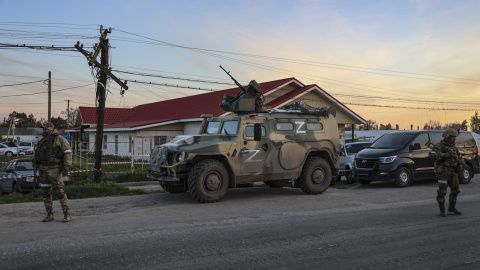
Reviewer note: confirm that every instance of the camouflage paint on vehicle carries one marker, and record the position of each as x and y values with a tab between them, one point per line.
294	144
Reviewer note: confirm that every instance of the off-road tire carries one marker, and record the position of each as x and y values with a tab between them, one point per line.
173	187
466	175
276	184
208	181
403	177
316	176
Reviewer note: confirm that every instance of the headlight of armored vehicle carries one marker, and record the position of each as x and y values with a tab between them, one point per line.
387	159
178	157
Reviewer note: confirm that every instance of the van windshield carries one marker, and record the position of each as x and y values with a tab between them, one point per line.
392	141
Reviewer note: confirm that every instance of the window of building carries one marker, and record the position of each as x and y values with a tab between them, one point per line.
104	142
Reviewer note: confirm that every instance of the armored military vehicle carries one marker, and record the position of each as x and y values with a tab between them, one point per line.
297	145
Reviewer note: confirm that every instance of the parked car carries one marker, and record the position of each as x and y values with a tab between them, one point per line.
402	157
28	147
347	158
17	176
10	151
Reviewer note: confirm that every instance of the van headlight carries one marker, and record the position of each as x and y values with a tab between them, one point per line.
387	159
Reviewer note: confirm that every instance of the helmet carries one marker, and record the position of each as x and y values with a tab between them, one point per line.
48	124
450	132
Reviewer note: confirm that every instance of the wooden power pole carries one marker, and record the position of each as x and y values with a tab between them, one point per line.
49	96
104	73
68	113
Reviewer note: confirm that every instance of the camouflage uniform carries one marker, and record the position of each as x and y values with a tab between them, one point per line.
448	163
53	157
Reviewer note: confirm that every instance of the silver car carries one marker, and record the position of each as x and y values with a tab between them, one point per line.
10	151
347	158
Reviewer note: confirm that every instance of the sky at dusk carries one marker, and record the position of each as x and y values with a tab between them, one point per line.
398	62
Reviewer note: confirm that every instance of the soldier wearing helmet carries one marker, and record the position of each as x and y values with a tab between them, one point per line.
53	157
448	163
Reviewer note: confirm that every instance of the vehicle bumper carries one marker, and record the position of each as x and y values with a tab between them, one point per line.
380	172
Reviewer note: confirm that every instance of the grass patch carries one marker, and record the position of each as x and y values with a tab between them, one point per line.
79	190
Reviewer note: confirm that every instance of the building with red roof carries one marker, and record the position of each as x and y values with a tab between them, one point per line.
138	129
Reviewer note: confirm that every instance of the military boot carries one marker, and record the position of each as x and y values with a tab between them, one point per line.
442	209
451	208
48	207
66	216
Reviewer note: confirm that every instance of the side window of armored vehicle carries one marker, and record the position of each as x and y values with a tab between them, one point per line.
249	131
229	127
435	137
314	126
212	127
283	126
421	139
465	140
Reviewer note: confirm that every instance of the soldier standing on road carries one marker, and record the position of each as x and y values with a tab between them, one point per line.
448	163
53	157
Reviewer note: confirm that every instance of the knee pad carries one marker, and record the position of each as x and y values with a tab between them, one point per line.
442	192
45	192
58	192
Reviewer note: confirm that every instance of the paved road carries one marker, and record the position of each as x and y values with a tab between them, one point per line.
377	226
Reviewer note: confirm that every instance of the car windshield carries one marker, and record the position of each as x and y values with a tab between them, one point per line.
355	148
392	141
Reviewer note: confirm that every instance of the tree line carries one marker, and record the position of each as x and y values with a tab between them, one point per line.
22	120
474	125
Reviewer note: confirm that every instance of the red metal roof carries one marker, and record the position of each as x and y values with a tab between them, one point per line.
170	110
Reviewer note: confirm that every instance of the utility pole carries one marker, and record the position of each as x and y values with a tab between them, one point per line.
68	112
104	73
49	96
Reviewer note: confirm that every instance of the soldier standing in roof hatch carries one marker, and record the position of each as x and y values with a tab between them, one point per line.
53	157
448	164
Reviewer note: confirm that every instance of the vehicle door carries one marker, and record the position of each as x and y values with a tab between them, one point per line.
6	177
423	164
253	153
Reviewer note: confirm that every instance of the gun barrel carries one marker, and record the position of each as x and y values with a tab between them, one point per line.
233	79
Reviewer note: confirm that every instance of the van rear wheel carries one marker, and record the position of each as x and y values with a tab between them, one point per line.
403	177
316	176
466	175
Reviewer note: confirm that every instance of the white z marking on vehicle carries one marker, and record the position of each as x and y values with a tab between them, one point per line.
252	156
300	125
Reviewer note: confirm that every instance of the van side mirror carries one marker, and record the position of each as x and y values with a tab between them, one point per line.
414	147
257	132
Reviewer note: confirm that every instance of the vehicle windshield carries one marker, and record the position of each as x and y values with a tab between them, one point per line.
355	148
392	141
228	127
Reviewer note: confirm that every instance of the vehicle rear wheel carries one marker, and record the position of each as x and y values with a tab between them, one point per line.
9	154
173	187
349	177
466	175
276	184
208	181
316	176
403	178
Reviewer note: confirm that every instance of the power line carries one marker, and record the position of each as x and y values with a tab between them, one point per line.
21	83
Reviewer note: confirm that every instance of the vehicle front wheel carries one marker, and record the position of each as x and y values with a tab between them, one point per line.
173	187
9	154
15	188
208	181
349	177
466	175
403	178
316	176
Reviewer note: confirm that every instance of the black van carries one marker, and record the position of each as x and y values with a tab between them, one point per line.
402	157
